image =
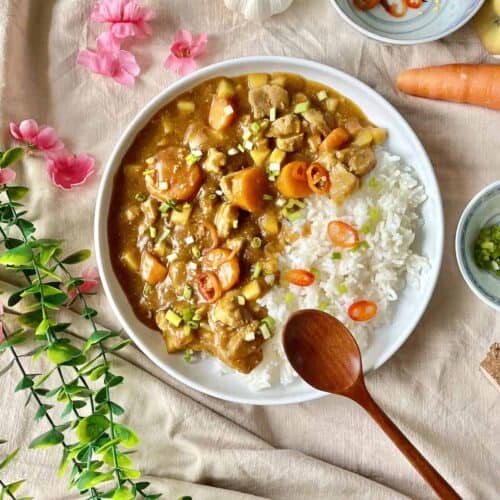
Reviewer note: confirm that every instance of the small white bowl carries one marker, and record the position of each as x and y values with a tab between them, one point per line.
429	22
482	210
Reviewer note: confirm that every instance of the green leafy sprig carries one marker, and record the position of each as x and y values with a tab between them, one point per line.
101	446
8	490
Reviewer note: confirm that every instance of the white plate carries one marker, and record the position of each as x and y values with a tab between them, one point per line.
429	22
204	376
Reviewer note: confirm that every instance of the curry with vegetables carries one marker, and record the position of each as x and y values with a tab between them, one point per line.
207	197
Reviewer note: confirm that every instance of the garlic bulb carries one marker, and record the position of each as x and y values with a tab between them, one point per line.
258	10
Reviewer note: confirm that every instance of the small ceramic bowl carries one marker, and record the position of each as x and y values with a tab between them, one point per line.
482	210
435	19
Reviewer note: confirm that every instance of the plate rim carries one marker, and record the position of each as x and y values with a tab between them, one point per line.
396	41
134	126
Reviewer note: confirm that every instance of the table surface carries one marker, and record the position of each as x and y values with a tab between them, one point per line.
326	448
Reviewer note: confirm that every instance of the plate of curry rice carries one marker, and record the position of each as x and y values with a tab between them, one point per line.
253	188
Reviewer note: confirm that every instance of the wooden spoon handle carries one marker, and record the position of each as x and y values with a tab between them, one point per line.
426	470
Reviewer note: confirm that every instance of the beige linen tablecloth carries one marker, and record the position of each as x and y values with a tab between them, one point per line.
210	449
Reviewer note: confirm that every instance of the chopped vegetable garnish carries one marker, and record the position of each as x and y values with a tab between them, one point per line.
248	145
257	270
188	355
336	255
150	160
316	272
292	216
249	336
342	234
362	245
255	127
322	95
148	288
241	148
269	321
487	249
172	257
197	152
343	288
268	197
301	107
318	178
187	330
373	183
235	223
374	214
189	240
152	232
265	331
272	114
149	171
191	159
246	134
322	306
232	151
164	235
300	277
274	168
140	197
288	297
188	292
187	314
366	229
173	318
212	196
256	242
241	300
196	251
209	286
363	310
219	192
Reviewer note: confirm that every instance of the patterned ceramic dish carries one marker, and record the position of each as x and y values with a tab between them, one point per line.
482	210
434	20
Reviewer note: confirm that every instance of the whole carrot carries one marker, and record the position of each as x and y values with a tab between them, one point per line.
477	84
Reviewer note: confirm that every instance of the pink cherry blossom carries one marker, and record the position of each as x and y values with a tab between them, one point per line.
184	51
41	137
91	280
110	60
126	17
7	175
68	170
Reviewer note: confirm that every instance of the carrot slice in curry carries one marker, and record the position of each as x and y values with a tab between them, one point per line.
226	266
335	139
292	181
222	113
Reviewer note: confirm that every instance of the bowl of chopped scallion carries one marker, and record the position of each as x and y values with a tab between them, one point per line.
477	245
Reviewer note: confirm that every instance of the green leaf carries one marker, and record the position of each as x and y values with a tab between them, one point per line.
17	193
65	460
5	369
13	487
131	473
128	437
121	459
98	336
123	493
15	297
107	445
89	312
31	319
25	383
89	479
98	371
43	378
12	340
114	380
59	352
116	409
50	438
77	257
44	326
91	427
11	156
18	256
142	485
42	411
27	227
119	346
8	459
79	360
101	395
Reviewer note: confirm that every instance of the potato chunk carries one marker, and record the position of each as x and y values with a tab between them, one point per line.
246	188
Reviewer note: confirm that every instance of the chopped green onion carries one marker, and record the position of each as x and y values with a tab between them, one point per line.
256	242
246	134
164	235
188	356
241	300
336	255
173	318
167	205
272	114
322	95
255	127
148	288
374	214
249	336
187	330
191	159
292	216
150	160
269	321
266	332
163	208
197	152
366	228
288	297
301	107
315	271
322	306
343	288
140	197
149	171
268	197
212	196
241	148
188	292
292	203
196	251
257	270
193	325
373	183
248	145
187	314
362	245
152	232
235	223
232	151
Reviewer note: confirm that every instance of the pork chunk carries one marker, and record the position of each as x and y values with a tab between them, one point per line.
215	161
317	121
362	161
262	99
290	144
201	136
284	126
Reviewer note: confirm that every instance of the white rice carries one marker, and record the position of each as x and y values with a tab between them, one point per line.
376	273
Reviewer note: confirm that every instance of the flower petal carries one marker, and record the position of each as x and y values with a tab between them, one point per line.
128	62
67	170
7	175
183	36
15	132
88	59
107	42
28	129
186	66
48	140
199	45
172	63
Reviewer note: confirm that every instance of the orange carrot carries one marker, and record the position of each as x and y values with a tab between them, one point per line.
477	84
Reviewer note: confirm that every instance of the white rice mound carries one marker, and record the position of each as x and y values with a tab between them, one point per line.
376	273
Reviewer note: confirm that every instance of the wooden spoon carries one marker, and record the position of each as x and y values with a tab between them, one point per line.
324	353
